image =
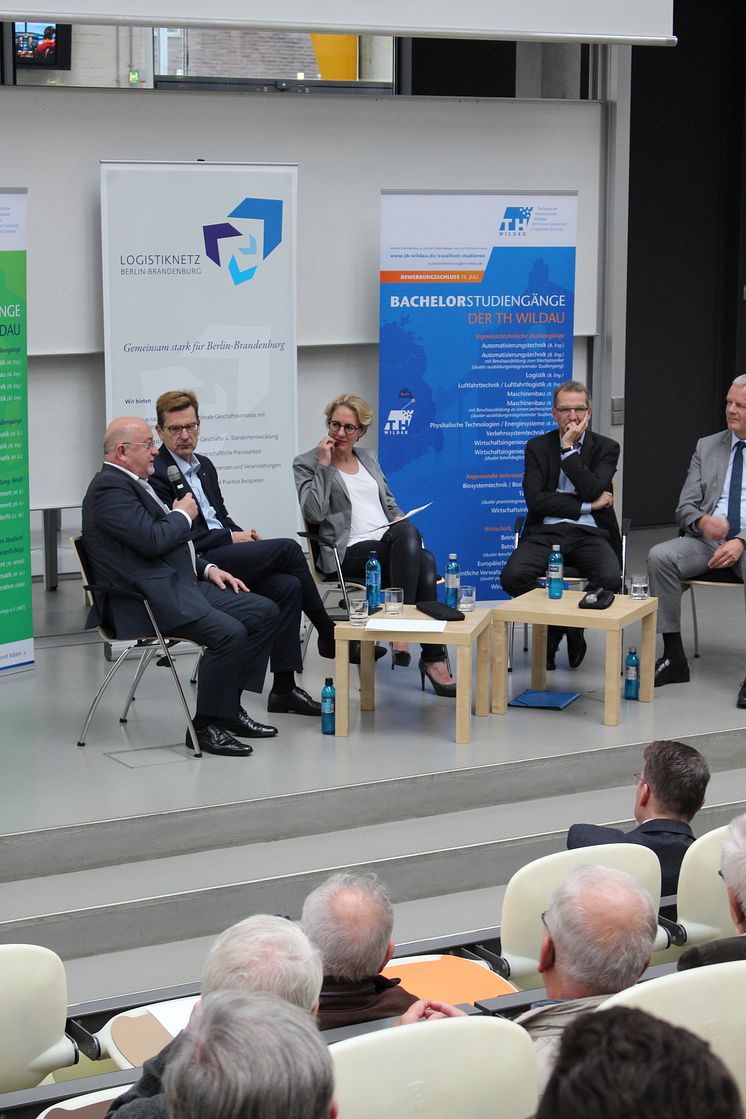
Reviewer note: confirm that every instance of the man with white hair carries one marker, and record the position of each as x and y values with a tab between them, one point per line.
250	1055
350	919
733	873
261	954
599	931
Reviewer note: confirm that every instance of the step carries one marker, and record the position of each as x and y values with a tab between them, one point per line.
152	901
159	835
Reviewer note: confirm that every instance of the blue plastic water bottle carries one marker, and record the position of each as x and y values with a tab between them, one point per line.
373	582
453	580
327	706
632	675
555	572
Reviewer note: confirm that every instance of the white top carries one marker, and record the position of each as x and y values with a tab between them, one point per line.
367	512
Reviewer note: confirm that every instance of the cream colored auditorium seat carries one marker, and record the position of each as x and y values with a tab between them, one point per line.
709	1001
92	1105
447	978
33	1012
702	898
132	1037
478	1067
528	891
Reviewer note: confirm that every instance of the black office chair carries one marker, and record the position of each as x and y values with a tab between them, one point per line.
100	596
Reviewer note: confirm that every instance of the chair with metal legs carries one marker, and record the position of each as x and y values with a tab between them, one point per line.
99	595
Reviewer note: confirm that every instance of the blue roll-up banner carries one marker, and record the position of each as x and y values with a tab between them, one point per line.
477	299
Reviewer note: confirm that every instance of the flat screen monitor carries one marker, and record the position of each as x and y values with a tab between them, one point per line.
42	45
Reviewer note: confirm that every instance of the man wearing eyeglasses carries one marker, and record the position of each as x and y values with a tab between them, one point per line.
135	540
276	569
567	486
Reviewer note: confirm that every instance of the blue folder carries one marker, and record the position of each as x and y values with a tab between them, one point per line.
555	700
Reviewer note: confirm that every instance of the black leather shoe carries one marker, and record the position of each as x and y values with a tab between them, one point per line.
741	701
355	652
554	636
670	672
246	727
215	739
576	646
295	702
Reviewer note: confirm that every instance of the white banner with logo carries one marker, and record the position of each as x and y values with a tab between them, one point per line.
199	280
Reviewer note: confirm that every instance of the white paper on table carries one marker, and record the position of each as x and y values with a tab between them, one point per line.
404	624
406	517
174	1014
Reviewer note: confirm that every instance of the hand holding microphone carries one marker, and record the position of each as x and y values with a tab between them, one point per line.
183	499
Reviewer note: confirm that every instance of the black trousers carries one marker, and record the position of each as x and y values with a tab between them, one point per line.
237	633
404	563
587	551
278	570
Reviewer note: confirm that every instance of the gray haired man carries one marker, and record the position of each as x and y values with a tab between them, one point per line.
250	1055
263	954
733	873
350	919
712	517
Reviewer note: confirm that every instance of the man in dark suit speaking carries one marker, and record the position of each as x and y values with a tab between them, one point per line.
567	483
670	791
134	539
276	569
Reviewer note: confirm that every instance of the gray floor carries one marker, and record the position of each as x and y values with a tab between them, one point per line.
141	767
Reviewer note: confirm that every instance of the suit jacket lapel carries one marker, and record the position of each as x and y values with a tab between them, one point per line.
554	460
723	458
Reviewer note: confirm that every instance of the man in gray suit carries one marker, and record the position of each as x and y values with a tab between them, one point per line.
712	517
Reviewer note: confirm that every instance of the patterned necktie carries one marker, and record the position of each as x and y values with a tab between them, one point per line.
734	491
149	490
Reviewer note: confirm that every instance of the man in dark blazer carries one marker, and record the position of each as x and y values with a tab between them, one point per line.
670	791
712	519
276	569
733	873
134	540
567	486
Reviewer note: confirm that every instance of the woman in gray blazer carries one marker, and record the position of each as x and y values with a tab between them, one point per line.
342	489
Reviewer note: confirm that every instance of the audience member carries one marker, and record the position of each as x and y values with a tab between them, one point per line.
350	919
709	514
249	1056
567	487
275	568
622	1063
733	873
670	791
263	954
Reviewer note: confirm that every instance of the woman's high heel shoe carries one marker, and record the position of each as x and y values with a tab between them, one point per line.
400	658
439	689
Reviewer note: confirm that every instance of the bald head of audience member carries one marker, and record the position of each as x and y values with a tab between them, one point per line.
600	927
249	1057
265	954
621	1062
350	918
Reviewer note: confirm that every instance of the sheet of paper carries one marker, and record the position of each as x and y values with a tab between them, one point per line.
406	516
396	625
173	1015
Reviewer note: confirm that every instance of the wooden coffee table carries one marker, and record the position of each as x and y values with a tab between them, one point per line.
540	612
474	628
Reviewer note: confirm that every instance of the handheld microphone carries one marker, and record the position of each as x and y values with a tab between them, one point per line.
176	478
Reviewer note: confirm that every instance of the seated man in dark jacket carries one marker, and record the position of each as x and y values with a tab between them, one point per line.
733	873
670	791
350	920
276	569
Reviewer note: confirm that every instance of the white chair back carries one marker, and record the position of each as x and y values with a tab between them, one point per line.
92	1105
33	1011
702	898
709	1001
481	1067
528	891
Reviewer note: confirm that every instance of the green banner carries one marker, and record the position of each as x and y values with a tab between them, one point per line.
16	620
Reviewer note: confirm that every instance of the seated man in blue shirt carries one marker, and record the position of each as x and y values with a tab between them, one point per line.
276	569
670	791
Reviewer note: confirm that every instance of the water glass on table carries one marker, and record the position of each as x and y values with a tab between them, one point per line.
639	587
393	601
358	612
467	598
